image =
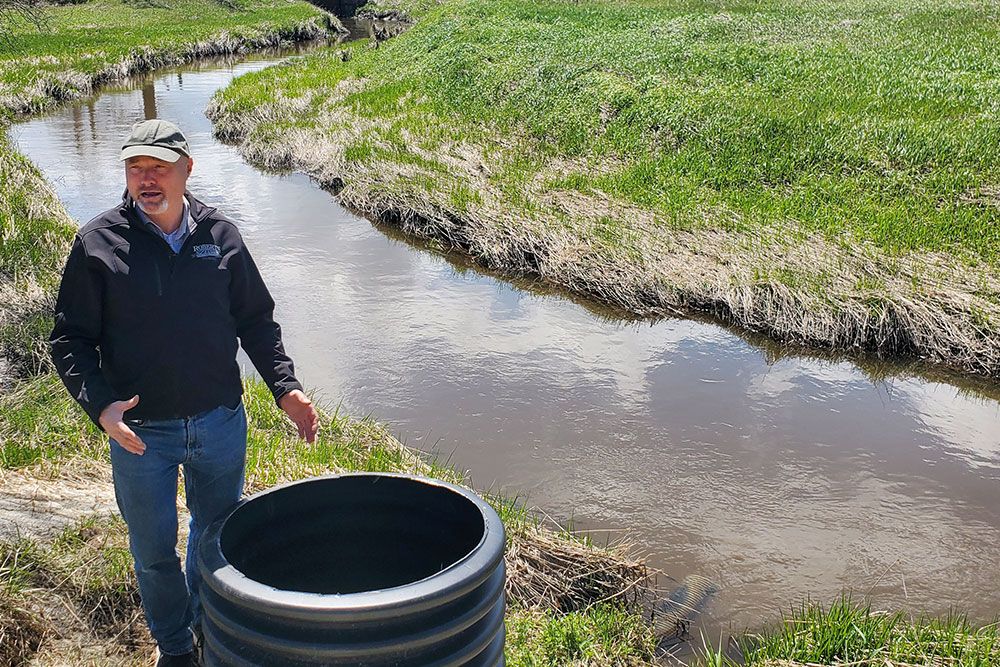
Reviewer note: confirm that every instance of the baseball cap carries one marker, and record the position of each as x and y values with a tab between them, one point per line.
156	138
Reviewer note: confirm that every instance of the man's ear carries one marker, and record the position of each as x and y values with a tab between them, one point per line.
190	165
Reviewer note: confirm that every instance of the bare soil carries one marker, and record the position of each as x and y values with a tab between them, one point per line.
40	502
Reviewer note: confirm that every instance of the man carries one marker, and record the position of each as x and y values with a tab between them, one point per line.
154	295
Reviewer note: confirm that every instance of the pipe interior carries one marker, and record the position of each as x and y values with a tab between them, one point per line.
351	534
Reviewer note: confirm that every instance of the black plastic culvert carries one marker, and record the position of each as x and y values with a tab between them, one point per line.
358	569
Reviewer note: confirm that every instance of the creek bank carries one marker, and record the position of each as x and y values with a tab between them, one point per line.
552	576
395	134
682	273
63	87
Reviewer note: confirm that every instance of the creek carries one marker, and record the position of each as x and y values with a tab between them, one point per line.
779	476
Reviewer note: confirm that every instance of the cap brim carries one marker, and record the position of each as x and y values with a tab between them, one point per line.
159	152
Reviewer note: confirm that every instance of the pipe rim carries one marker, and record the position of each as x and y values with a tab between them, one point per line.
459	578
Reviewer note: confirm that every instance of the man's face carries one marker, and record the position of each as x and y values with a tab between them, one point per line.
157	186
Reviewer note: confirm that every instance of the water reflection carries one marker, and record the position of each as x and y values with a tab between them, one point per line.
149	101
779	476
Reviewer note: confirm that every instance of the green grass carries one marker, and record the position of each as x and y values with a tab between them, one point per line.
861	117
40	422
40	65
35	234
826	171
603	635
847	632
90	558
44	230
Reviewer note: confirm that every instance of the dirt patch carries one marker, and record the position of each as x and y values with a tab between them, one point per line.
40	502
988	195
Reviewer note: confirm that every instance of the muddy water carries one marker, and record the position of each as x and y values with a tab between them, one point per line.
778	479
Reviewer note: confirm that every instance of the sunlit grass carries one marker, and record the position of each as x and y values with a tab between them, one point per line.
35	234
603	635
864	118
40	421
851	633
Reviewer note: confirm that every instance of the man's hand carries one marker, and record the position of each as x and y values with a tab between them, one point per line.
113	421
298	406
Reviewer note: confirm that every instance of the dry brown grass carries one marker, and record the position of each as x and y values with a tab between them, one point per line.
798	287
22	632
880	662
985	196
550	572
76	597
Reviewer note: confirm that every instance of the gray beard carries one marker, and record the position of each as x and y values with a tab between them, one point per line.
160	208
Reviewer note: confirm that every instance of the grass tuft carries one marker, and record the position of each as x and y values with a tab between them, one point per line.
604	635
851	633
80	585
22	630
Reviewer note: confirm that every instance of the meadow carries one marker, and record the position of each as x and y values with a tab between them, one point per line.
823	172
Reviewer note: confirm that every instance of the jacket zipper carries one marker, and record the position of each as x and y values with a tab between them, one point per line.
159	281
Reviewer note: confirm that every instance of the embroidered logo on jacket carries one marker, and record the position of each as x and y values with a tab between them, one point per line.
207	250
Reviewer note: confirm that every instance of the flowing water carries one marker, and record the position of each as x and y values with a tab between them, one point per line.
780	478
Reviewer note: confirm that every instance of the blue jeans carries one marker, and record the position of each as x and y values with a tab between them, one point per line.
211	447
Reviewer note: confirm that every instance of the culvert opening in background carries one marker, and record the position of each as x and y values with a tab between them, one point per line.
351	534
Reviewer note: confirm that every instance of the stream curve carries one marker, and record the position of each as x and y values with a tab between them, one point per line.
777	479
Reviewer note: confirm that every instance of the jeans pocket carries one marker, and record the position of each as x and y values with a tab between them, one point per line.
232	410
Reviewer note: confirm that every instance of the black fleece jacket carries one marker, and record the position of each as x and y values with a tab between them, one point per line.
132	317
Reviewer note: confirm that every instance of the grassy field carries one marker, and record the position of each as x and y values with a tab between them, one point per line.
826	172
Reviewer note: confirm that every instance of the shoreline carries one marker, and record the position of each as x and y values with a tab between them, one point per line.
344	125
64	87
898	328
